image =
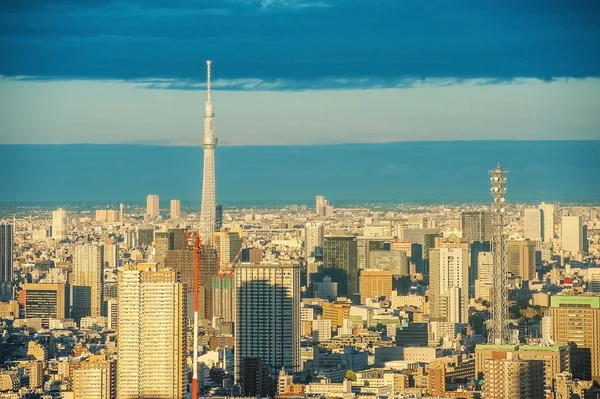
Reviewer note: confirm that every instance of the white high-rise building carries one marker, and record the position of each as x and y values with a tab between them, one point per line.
571	234
59	224
449	282
533	224
152	206
547	222
152	328
208	211
87	281
314	232
267	321
175	209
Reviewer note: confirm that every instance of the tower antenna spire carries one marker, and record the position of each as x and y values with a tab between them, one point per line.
208	62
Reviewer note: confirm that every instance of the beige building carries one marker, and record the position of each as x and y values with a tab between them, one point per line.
575	321
152	351
175	209
152	206
228	244
95	379
449	281
375	284
87	280
571	234
507	377
521	259
336	312
107	215
483	284
46	301
532	224
547	222
9	309
59	224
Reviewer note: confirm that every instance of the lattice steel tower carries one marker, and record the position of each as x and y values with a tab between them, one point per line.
208	213
499	333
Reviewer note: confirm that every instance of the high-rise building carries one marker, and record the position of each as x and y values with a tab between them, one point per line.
228	245
513	378
520	260
533	224
95	378
341	263
59	224
152	330
322	207
476	248
145	236
111	256
394	261
184	262
477	226
87	280
449	279
208	217
375	284
107	215
152	206
314	233
223	290
219	217
46	301
575	321
267	322
547	222
163	242
6	261
571	234
483	284
175	209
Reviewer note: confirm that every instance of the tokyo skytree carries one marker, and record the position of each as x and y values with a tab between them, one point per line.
209	143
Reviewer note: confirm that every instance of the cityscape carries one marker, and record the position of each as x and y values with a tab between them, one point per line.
356	265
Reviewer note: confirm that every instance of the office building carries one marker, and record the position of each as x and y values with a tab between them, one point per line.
252	255
476	248
267	322
575	321
145	236
111	256
107	215
520	260
223	291
152	206
449	278
477	226
87	281
571	234
59	224
46	301
395	262
175	209
321	329
513	378
379	229
95	378
340	262
152	330
184	262
532	225
228	245
375	284
483	284
163	242
323	208
593	280
547	222
6	261
314	233
219	217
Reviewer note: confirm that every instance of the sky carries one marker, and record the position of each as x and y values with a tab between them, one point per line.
298	71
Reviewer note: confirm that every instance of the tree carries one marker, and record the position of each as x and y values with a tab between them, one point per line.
350	375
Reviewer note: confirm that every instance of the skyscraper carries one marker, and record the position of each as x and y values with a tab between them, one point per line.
87	280
340	261
175	209
575	322
59	224
477	226
267	322
483	283
449	279
152	206
520	260
476	248
547	222
228	244
6	261
152	330
322	207
533	224
208	215
219	217
571	234
314	233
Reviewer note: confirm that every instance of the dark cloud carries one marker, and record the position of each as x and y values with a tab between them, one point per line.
301	41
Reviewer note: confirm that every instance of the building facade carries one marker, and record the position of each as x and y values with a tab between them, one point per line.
340	261
59	224
449	278
87	281
6	261
477	226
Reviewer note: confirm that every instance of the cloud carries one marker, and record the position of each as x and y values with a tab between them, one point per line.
275	44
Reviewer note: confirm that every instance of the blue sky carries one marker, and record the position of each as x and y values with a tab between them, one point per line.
299	71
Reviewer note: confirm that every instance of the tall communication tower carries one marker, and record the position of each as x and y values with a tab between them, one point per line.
499	333
208	212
